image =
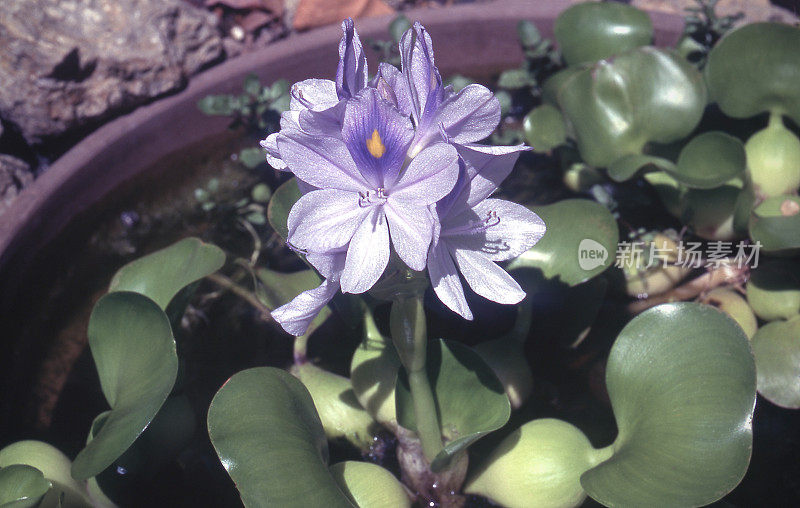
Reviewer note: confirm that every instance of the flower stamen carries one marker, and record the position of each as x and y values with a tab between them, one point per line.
370	198
474	227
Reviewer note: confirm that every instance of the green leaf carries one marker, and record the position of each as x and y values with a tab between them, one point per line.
627	166
514	79
709	160
756	68
269	438
528	33
21	486
163	273
776	224
341	414
281	203
544	128
54	465
373	373
252	157
591	31
617	107
252	85
711	212
681	379
552	85
369	485
776	347
470	400
217	105
575	228
132	345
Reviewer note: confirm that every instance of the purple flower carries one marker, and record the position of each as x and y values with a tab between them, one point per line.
476	231
322	97
366	191
468	116
392	165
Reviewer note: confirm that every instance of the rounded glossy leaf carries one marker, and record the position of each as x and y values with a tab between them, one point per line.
163	273
711	212
339	410
617	107
544	128
669	191
506	357
134	351
756	68
776	224
773	290
369	485
627	166
540	464
373	373
21	486
281	204
54	465
709	160
552	86
776	346
681	379
470	400
591	31
264	427
580	242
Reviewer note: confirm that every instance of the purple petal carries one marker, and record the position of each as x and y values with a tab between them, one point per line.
470	115
270	145
487	167
326	219
352	73
313	94
377	136
419	69
368	253
297	315
508	229
397	82
445	281
486	278
411	227
329	264
323	162
323	123
429	176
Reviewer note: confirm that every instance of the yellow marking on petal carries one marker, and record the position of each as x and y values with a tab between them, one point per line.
375	145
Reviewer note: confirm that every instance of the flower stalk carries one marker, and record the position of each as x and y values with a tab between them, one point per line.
409	334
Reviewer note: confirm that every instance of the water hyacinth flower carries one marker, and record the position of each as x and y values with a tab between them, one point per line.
477	231
393	165
323	96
